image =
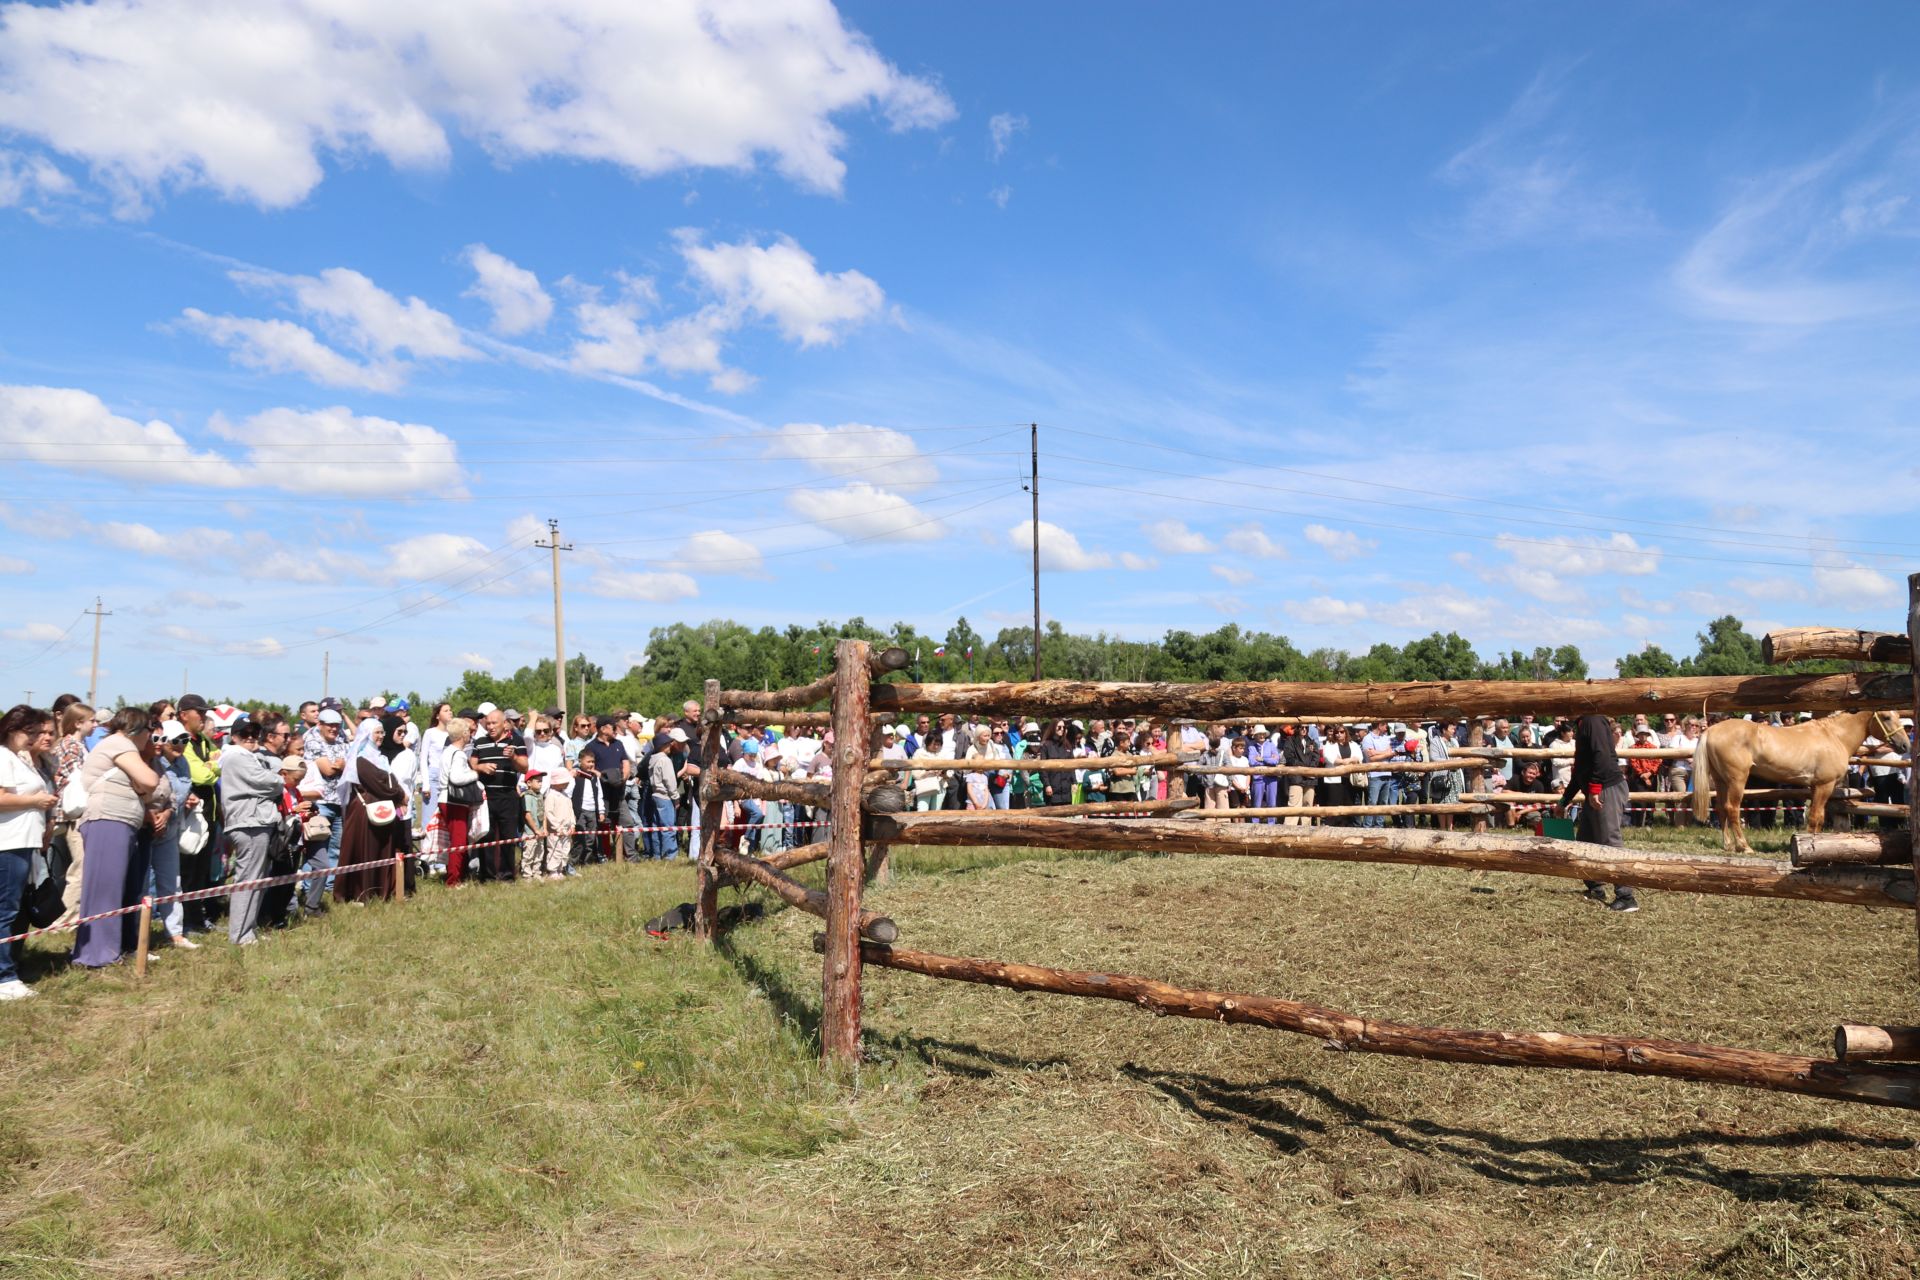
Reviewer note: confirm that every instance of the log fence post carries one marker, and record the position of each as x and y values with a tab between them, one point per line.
145	942
846	865
706	907
1913	747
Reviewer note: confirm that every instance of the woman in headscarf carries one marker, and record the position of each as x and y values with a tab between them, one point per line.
377	827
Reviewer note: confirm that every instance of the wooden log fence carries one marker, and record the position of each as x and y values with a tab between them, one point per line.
1407	701
1519	853
1865	869
812	901
1884	1086
1461	810
1811	644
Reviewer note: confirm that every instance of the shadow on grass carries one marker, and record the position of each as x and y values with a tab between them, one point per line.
1270	1110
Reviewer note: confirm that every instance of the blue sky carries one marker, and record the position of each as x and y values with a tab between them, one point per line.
1540	323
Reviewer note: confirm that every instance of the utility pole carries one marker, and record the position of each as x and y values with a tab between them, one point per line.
326	670
1034	489
554	544
93	672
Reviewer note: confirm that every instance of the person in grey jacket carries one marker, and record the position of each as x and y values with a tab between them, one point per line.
250	789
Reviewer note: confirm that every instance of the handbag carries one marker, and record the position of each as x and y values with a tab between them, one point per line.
193	832
463	783
45	900
382	812
318	828
73	799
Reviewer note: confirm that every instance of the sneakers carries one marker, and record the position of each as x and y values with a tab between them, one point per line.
1596	895
185	943
1623	903
14	989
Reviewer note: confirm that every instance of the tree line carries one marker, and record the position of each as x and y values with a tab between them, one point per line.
681	657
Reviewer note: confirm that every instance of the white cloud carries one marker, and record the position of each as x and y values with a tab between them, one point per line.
1172	537
879	454
281	346
1842	581
511	292
779	282
359	313
1059	550
716	551
429	555
657	588
252	555
1761	589
1000	131
738	284
1229	605
1252	540
860	510
313	451
1539	564
1325	611
327	451
1228	573
13	564
246	97
25	179
1137	563
1341	544
33	633
1001	195
474	661
74	430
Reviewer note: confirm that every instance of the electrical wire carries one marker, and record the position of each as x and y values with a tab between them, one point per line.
51	646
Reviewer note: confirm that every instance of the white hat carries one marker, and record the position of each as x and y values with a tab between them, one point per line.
900	731
330	716
486	708
1031	726
171	729
1260	729
892	731
676	734
377	701
1806	715
635	715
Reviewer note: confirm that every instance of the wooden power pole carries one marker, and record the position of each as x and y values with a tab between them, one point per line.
1034	488
554	544
93	670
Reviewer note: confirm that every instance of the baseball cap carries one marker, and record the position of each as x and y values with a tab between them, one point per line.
292	764
514	714
171	729
891	731
677	734
531	774
750	747
399	704
329	704
487	708
377	701
191	702
330	716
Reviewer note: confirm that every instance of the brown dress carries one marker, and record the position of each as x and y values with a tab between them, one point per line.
367	851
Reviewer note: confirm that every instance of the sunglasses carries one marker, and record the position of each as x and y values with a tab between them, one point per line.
543	733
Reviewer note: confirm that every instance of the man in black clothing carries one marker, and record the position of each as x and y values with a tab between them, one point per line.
1602	787
611	769
500	757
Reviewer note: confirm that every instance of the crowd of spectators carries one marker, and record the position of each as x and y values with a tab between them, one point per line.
184	796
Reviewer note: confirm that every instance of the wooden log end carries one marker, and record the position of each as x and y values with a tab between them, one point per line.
888	797
1854	1041
881	929
881	661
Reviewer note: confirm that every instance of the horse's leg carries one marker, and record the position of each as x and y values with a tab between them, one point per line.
1817	805
1733	830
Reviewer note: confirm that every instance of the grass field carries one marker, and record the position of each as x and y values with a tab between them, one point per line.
517	1081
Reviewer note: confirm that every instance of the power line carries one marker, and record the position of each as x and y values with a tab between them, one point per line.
1437	493
51	645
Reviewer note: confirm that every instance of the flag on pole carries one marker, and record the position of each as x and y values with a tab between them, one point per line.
939	651
969	651
816	650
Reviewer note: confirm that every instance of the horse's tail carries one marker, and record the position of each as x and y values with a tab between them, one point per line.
1702	780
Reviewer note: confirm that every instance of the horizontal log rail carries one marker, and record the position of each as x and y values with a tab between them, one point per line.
1092	809
1520	853
1849	848
797	697
792	892
1880	690
1331	770
1809	644
1784	794
1853	1042
1629	753
1462	810
981	764
1884	1086
786	719
798	856
731	784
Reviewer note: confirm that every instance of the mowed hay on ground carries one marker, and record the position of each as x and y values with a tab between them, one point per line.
516	1081
1082	1137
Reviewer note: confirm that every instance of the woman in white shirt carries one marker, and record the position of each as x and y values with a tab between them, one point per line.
26	799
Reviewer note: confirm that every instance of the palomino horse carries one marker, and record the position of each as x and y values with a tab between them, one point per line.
1813	754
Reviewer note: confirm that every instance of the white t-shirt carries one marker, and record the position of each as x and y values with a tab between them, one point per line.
550	757
21	828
